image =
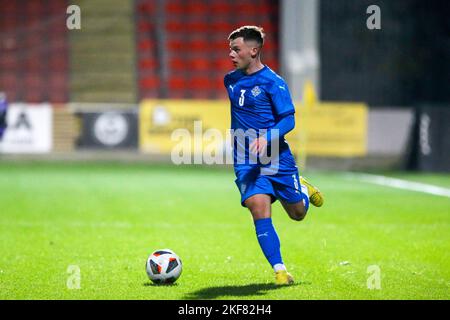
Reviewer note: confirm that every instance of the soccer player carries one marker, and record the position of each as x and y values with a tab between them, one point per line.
3	108
261	103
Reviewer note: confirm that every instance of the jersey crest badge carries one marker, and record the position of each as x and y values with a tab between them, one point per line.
256	91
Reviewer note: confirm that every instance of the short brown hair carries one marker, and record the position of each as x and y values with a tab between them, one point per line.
249	33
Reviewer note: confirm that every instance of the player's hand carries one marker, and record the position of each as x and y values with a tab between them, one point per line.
258	146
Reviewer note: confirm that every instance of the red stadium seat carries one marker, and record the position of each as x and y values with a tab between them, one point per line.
34	6
178	64
58	96
272	64
145	26
9	23
8	64
147	64
145	45
32	81
33	95
32	42
199	45
56	93
202	65
247	9
199	8
197	48
196	27
34	65
221	8
224	64
57	80
177	83
56	6
266	9
58	63
58	29
175	26
12	94
8	81
199	83
270	45
146	7
7	7
149	83
33	49
176	45
224	27
217	83
220	46
175	7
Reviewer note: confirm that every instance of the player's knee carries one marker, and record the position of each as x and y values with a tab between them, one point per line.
258	209
297	214
297	217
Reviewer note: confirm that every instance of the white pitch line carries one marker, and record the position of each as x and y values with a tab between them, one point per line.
400	184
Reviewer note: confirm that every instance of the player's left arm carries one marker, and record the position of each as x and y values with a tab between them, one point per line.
283	109
282	127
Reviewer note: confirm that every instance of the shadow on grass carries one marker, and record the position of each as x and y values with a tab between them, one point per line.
256	289
151	284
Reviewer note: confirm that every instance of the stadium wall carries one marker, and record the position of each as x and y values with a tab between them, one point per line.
77	131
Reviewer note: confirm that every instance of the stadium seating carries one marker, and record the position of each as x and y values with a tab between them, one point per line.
33	51
180	48
192	36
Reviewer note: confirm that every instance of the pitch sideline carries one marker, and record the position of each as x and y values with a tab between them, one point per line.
399	183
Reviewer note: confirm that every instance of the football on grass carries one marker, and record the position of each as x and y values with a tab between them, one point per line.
163	266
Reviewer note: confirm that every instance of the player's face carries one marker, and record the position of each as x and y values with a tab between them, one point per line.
242	53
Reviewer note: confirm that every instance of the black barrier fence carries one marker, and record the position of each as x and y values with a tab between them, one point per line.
430	141
109	130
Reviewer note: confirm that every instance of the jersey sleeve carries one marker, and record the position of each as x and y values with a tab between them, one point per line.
281	99
2	120
225	80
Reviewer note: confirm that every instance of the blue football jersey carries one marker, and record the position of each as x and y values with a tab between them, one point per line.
3	109
258	101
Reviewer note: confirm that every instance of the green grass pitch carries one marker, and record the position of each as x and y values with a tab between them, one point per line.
105	219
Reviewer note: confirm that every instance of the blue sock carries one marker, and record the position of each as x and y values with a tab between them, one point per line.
268	240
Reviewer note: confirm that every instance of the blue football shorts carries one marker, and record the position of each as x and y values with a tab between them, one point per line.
285	187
